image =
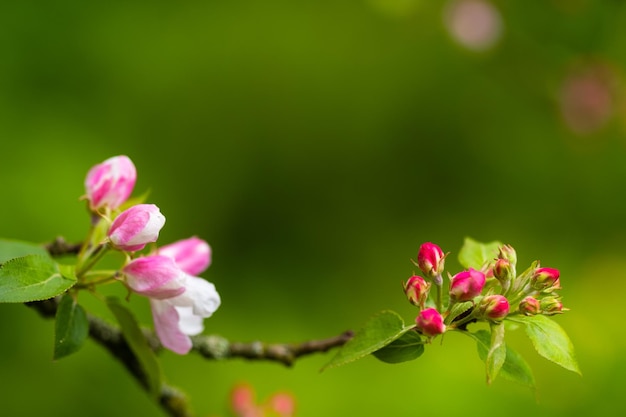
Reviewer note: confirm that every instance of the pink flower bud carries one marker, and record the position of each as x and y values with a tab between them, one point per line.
507	252
494	307
110	183
545	279
242	399
530	306
466	285
135	227
192	255
551	306
431	259
155	276
430	322
502	270
416	290
283	404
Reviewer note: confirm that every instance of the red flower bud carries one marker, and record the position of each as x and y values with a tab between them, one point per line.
430	322
416	290
530	306
545	279
431	259
494	307
503	271
466	285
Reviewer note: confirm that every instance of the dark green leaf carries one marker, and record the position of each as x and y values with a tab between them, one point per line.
379	331
33	278
71	327
475	254
514	367
550	340
138	344
407	347
10	249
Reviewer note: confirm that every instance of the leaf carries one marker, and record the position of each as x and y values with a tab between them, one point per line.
407	347
71	327
550	340
457	310
497	352
378	332
33	278
138	344
475	254
514	368
10	249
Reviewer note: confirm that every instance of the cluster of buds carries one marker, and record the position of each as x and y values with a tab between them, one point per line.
490	293
179	299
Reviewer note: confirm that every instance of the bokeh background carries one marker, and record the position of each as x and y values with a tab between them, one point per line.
316	145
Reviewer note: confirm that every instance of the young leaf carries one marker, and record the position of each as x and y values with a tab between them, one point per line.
497	352
407	347
378	332
474	254
71	327
550	340
33	278
138	344
514	368
10	249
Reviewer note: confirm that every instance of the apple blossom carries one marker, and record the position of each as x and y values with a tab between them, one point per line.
135	227
110	183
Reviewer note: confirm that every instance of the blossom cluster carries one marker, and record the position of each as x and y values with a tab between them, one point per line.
167	275
490	293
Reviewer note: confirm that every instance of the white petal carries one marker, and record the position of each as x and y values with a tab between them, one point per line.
189	323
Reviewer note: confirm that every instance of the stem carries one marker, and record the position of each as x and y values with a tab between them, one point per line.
94	257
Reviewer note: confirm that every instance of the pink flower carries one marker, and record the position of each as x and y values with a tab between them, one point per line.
177	318
430	322
135	227
110	183
430	259
466	285
155	276
494	307
192	255
416	290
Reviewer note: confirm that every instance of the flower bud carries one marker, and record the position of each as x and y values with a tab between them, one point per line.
466	285
530	306
503	272
551	306
430	322
192	255
110	183
135	227
416	290
507	252
431	259
155	276
545	279
494	307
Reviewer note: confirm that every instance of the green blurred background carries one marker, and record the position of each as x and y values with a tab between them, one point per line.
316	145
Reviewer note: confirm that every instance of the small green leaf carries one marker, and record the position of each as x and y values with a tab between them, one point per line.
497	352
475	254
378	332
407	347
33	278
10	249
550	340
514	368
138	344
458	309
71	327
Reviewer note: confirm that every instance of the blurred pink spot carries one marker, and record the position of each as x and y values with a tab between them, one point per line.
475	24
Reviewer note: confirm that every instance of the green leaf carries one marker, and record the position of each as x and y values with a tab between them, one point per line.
138	344
33	278
475	254
378	332
407	347
514	368
10	249
497	352
458	309
71	327
550	340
